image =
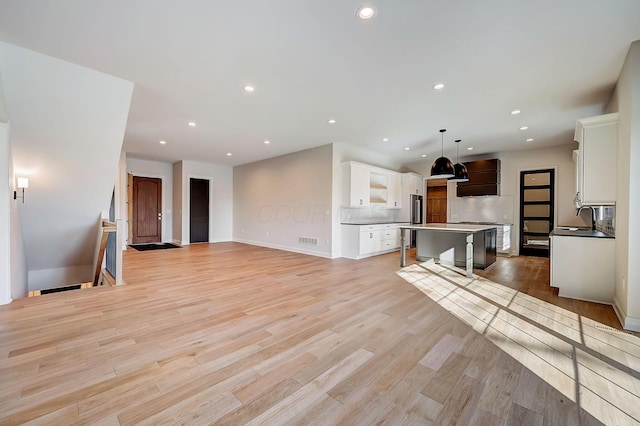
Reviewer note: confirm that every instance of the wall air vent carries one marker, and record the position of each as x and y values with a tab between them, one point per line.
308	241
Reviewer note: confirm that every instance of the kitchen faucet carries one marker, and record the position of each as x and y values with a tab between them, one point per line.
593	215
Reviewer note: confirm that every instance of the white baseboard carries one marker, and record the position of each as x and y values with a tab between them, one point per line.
284	248
632	324
628	323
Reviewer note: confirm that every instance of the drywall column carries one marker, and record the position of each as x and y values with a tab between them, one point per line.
633	298
626	101
5	207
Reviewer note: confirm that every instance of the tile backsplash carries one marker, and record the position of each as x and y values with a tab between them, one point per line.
367	215
491	208
606	219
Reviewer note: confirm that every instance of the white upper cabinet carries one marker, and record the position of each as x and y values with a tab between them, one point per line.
365	186
597	159
356	185
394	191
412	183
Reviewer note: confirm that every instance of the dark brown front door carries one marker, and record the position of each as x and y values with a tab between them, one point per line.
147	210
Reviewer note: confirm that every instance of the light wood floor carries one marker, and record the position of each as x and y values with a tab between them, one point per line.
530	275
233	334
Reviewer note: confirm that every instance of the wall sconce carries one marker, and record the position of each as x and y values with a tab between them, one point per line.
23	183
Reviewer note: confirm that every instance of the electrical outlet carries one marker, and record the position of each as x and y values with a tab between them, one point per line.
266	233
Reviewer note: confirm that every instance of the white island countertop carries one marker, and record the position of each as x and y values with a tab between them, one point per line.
452	227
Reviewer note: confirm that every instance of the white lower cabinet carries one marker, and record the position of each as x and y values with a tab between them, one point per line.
360	241
369	242
583	267
503	239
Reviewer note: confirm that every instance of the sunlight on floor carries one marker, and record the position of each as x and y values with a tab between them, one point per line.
593	365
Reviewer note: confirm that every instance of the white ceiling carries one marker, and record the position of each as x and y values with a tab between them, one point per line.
556	60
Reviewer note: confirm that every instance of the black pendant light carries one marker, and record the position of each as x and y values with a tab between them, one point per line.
460	170
442	168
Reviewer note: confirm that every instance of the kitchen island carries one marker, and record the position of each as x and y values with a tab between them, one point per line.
438	241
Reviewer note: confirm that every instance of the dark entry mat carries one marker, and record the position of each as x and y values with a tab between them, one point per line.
59	289
153	246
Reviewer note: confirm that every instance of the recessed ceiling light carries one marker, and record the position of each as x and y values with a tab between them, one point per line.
439	86
515	112
366	12
332	121
229	154
524	127
529	140
267	142
407	148
249	89
424	155
192	123
163	142
470	148
385	140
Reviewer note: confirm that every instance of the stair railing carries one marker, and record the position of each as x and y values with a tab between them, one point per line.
101	271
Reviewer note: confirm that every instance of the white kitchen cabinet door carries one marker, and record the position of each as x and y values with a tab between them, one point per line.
394	191
597	159
357	186
503	240
369	242
412	183
583	267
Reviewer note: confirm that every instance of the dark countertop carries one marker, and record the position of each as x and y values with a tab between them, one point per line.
483	223
578	233
369	223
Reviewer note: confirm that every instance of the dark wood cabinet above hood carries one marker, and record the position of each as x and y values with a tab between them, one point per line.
484	179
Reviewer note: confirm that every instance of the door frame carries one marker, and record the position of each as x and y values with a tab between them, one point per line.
186	208
130	175
516	215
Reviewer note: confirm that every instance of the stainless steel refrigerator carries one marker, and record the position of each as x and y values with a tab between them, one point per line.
416	216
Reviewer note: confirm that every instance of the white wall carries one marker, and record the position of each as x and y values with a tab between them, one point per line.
67	126
176	223
220	199
282	198
19	279
626	101
13	269
164	171
5	209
